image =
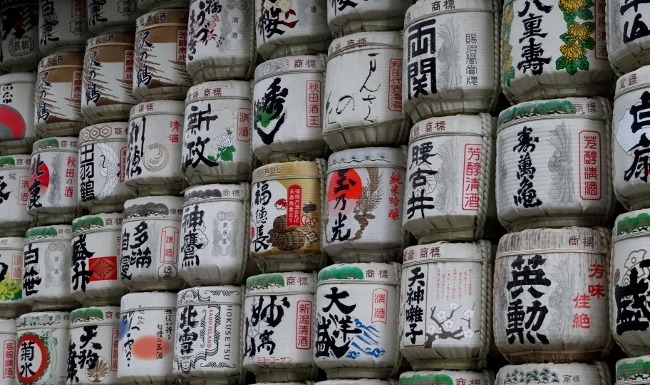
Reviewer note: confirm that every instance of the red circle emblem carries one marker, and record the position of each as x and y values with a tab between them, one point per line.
33	358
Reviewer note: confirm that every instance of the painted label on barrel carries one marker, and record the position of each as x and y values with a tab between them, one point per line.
14	190
54	175
11	273
47	262
42	352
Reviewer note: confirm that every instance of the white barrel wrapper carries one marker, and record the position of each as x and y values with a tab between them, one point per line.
350	16
628	37
17	112
596	373
14	194
148	5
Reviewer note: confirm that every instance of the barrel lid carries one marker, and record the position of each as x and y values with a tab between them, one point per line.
454	125
288	170
595	373
383	273
289	64
210	295
15	161
172	16
367	157
363	381
567	239
423	9
18	77
148	301
222	89
12	243
633	369
633	223
48	233
7	326
359	40
85	224
632	81
237	192
297	282
588	108
443	377
444	252
158	107
106	315
74	59
153	206
50	319
68	143
104	131
111	38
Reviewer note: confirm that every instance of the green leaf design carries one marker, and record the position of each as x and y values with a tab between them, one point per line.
227	153
572	67
589	44
569	17
583	63
590	25
588	4
565	38
212	158
585	14
508	76
561	63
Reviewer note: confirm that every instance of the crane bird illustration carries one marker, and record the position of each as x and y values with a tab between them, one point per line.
109	169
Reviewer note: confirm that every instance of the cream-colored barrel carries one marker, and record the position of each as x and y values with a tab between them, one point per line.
19	46
554	50
287	109
278	343
112	16
214	230
446	305
107	78
633	371
628	37
554	164
363	205
285	224
451	52
159	58
14	194
17	112
150	243
630	141
596	373
285	28
63	25
57	103
350	16
155	148
8	341
11	277
357	321
102	164
217	133
449	191
363	91
221	40
447	377
42	349
551	299
629	323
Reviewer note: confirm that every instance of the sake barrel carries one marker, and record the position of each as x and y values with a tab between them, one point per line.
451	52
14	194
43	340
102	163
17	112
596	373
8	343
633	371
217	138
53	180
19	47
629	324
349	16
63	25
148	5
278	326
363	89
450	286
447	377
207	342
285	226
150	243
627	35
111	16
553	164
550	295
356	320
93	350
450	179
57	104
96	259
146	339
214	245
221	40
551	51
160	48
287	108
154	148
11	278
107	77
365	190
298	27
631	145
47	262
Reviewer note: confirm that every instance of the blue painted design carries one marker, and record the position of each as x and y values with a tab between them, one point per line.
366	342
